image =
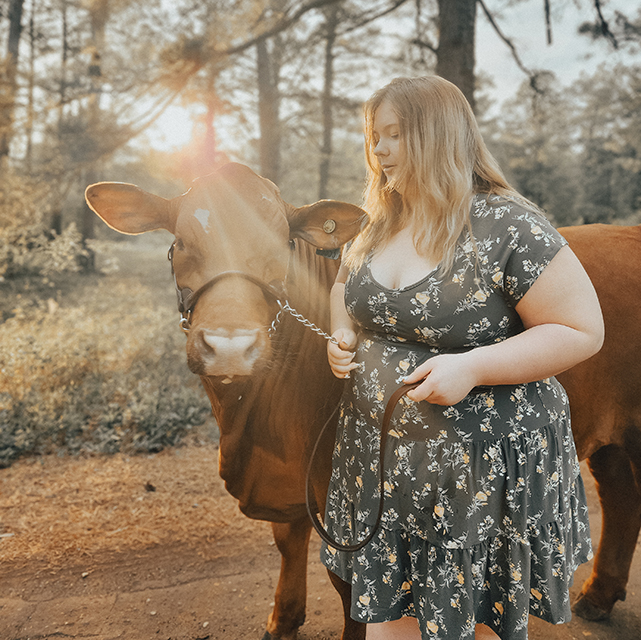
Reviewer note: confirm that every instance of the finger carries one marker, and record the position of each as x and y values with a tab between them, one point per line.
346	346
422	392
339	355
340	347
341	372
343	367
420	373
341	359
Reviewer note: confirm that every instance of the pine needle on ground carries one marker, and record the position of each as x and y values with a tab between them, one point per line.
54	508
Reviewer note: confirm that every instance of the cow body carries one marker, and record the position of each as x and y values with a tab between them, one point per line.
271	396
605	405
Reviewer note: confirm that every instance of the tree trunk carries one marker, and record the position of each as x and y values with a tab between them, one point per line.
455	54
331	24
8	78
62	100
30	89
269	109
99	13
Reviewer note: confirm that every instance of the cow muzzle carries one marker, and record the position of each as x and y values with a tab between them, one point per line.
224	353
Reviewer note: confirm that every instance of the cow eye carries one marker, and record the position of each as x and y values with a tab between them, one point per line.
292	244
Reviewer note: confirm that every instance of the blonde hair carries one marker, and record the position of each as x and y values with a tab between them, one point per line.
445	164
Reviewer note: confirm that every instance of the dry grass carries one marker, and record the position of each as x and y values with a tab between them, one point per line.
101	368
55	508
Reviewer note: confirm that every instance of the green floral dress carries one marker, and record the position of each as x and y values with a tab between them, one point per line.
485	518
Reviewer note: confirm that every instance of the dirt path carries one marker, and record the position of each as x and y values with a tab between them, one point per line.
200	571
209	575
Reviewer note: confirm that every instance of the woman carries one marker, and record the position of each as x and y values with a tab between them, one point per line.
459	283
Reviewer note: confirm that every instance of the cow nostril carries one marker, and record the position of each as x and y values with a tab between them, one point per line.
251	352
209	344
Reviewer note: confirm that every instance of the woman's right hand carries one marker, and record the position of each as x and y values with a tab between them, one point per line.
341	354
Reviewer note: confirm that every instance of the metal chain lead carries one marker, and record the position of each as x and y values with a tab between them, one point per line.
301	318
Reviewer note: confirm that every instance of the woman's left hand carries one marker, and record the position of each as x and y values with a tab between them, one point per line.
447	379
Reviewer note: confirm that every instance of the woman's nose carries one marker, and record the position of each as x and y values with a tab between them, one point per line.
380	149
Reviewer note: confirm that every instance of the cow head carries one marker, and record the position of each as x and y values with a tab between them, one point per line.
230	221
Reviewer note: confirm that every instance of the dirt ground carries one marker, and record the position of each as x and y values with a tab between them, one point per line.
152	547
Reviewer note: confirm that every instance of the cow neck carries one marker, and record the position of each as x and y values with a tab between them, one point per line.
260	416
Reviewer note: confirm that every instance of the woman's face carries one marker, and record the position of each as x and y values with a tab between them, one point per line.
387	139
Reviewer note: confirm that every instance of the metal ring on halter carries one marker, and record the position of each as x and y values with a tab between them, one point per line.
185	323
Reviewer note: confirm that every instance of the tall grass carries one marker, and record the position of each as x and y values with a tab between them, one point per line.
103	375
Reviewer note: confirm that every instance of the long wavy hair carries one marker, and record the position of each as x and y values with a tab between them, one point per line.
444	164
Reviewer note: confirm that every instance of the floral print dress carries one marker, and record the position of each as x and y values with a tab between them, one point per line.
485	518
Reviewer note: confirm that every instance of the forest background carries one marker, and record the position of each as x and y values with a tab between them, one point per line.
277	85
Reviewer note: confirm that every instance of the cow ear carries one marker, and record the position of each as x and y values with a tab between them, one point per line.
327	224
129	209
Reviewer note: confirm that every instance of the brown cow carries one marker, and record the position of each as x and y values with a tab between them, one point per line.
279	393
238	248
605	404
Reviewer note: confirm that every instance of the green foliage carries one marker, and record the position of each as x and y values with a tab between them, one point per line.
32	250
577	152
535	150
609	125
99	378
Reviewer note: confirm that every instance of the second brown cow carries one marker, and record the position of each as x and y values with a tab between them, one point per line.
605	405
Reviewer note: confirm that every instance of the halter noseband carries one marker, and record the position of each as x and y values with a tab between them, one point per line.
187	298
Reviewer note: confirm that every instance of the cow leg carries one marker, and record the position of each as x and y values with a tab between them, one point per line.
352	630
292	540
621	519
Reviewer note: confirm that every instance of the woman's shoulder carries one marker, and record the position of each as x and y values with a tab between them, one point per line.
500	215
497	207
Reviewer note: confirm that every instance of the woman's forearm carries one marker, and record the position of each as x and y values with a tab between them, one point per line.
537	353
540	352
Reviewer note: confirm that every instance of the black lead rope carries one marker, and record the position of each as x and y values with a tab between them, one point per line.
312	508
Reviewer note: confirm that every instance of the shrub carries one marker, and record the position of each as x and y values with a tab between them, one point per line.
101	377
28	246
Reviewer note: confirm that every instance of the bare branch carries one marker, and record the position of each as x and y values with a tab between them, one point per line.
548	21
153	113
532	75
199	58
419	42
604	27
366	19
283	23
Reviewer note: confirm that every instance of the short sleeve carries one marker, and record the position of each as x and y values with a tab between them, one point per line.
527	246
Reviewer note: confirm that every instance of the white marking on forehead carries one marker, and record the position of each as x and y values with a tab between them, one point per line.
267	198
202	215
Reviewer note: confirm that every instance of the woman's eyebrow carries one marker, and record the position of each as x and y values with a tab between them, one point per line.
391	125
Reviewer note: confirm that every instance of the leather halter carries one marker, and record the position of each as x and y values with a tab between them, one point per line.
187	298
